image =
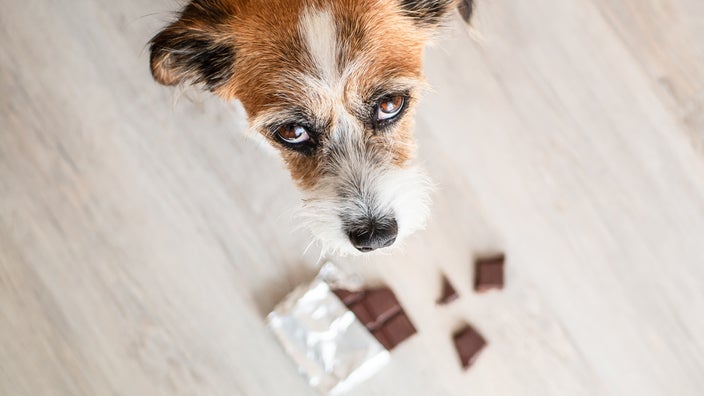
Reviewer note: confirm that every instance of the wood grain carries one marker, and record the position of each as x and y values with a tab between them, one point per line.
143	239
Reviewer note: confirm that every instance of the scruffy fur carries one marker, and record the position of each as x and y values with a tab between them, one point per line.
324	65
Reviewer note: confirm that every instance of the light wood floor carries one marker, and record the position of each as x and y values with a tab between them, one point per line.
142	242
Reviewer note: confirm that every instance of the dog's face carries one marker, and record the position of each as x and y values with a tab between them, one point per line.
332	84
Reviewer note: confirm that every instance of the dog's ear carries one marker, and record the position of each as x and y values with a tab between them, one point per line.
428	13
193	50
466	9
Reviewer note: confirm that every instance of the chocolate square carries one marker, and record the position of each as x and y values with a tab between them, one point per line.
449	294
381	313
489	273
468	344
382	304
398	329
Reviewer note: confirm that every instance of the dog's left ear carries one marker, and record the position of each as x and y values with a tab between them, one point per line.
429	13
191	50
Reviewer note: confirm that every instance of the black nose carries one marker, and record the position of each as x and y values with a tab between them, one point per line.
374	235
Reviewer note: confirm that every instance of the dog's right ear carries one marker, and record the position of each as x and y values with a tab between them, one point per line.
427	13
195	49
466	9
431	13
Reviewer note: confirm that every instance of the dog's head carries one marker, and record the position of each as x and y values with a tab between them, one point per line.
332	84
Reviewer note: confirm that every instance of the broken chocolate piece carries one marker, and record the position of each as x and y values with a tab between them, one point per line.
466	8
489	273
468	344
449	294
382	305
397	330
381	314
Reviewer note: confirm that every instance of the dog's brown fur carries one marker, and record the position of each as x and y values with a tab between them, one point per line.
263	53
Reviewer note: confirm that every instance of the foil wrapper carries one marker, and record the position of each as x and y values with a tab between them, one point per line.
332	349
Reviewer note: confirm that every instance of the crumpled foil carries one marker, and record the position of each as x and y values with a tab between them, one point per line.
336	278
332	349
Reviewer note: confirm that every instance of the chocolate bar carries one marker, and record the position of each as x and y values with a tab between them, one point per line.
381	313
489	273
449	294
468	344
329	345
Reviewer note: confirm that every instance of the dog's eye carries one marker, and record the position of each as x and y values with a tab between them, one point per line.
293	134
390	107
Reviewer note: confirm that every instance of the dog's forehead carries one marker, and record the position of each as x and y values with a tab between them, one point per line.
306	52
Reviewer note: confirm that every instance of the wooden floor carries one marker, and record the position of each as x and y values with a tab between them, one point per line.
144	239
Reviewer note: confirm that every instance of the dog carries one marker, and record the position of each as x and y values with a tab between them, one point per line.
332	84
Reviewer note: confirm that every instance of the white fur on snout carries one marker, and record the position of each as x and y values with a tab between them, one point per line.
376	191
406	191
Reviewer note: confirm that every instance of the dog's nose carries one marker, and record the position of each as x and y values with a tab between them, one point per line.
375	235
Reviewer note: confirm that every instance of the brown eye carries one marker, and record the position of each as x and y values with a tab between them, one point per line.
390	107
293	134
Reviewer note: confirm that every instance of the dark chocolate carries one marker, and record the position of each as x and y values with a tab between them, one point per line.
381	313
398	329
362	312
382	305
449	294
489	273
468	344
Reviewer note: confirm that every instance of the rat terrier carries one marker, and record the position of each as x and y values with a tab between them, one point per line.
332	84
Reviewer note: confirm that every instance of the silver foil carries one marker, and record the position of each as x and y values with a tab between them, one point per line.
332	349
